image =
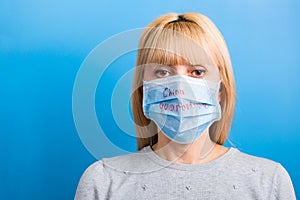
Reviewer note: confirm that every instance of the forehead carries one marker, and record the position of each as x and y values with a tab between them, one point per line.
178	43
181	45
169	46
190	59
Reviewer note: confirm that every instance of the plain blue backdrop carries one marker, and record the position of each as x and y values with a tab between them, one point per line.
43	43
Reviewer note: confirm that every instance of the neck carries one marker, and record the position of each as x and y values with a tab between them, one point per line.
201	151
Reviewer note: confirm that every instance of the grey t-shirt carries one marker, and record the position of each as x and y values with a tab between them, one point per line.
145	175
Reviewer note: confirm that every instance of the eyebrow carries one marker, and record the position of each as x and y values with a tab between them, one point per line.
189	65
198	65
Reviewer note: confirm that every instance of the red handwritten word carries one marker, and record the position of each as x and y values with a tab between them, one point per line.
181	107
172	92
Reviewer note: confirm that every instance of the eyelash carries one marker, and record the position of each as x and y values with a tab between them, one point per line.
200	71
159	71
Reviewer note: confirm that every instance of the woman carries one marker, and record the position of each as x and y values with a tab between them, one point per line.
183	104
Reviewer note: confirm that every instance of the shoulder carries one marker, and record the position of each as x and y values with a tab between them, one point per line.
93	180
96	180
134	162
263	166
254	162
266	172
103	167
94	170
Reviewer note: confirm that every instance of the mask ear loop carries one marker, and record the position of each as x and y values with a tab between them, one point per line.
220	93
214	95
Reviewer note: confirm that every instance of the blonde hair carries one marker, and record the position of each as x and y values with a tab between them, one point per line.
162	34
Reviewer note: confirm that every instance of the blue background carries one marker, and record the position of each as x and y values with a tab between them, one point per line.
43	43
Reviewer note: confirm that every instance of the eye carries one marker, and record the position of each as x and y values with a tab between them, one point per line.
198	73
161	73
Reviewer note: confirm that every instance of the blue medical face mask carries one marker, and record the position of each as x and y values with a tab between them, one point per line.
182	107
